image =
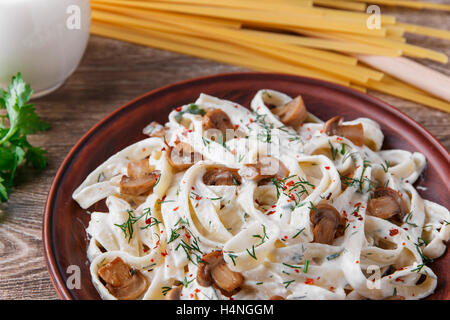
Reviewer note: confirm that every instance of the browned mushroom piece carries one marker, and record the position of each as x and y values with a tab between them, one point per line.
266	167
155	129
217	119
221	177
395	298
276	298
139	168
183	156
354	132
214	271
174	293
292	113
327	221
140	178
386	203
122	281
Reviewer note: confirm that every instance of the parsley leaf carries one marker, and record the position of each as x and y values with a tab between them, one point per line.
15	150
192	109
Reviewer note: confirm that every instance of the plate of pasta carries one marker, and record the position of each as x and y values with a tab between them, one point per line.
251	186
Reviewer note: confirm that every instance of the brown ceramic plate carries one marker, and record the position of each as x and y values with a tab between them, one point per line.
65	222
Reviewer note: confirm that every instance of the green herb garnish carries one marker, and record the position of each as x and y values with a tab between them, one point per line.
15	150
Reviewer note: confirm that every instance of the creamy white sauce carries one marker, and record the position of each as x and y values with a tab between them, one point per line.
265	233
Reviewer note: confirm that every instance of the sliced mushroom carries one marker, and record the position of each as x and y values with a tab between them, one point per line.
154	129
138	186
174	293
221	177
217	119
139	168
183	156
140	178
122	281
292	113
395	298
276	298
386	203
355	132
327	221
266	167
214	271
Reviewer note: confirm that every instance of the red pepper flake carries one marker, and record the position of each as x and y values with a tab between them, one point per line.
176	208
404	244
274	206
393	232
251	120
152	260
357	204
193	188
146	249
231	298
327	167
156	246
143	149
197	290
290	183
163	149
309	281
285	237
191	295
357	261
197	197
236	127
332	288
309	129
257	202
321	131
296	270
164	253
339	139
178	109
270	212
236	106
399	280
148	221
405	229
188	235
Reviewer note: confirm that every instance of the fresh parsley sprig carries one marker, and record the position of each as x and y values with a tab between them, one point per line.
19	121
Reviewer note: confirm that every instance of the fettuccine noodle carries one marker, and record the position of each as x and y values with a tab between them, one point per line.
264	229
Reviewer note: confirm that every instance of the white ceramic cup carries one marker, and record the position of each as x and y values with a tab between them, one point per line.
43	39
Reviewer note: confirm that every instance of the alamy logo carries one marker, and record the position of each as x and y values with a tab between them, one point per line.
74	280
73	22
374	20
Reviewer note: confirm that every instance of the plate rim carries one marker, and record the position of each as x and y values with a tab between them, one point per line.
50	261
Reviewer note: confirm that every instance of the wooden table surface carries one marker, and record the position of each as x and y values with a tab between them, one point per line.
110	74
